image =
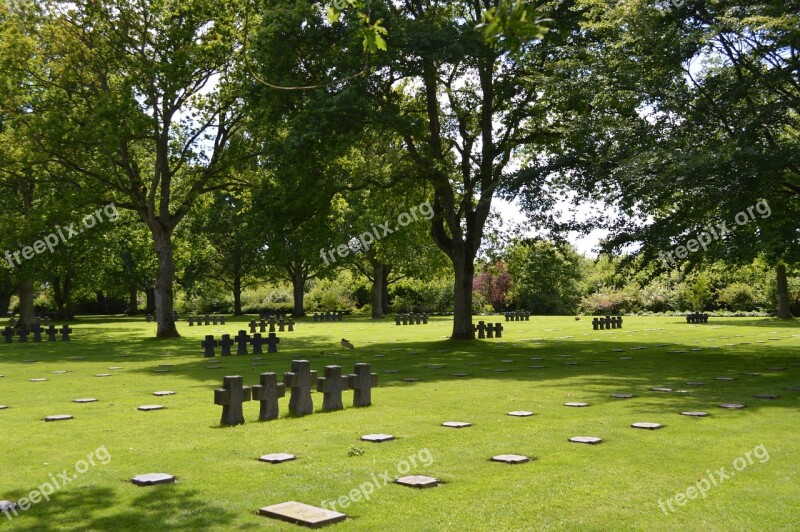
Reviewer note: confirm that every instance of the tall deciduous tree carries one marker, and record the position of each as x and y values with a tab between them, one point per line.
141	102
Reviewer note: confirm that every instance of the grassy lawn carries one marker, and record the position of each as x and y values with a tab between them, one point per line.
221	484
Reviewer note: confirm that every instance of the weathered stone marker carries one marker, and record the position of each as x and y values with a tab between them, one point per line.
331	386
257	341
302	514
151	479
230	397
362	380
65	332
272	342
225	344
267	393
418	481
242	339
300	380
209	344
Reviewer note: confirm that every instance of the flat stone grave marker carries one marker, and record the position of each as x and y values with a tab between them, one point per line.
148	408
37	380
456	424
752	374
418	481
459	374
436	366
622	395
724	379
377	438
151	479
732	406
277	458
410	379
696	413
790	388
7	506
520	413
85	400
570	363
695	383
766	396
302	514
537	367
776	369
591	440
661	389
59	417
576	404
3	407
102	374
646	425
163	393
626	358
536	358
617	350
114	368
510	458
161	370
59	372
392	371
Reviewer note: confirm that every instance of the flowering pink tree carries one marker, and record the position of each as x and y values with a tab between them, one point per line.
493	283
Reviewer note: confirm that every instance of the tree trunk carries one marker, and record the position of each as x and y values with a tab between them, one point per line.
298	291
26	313
164	284
237	294
5	301
464	269
133	300
377	290
63	297
784	311
150	303
385	289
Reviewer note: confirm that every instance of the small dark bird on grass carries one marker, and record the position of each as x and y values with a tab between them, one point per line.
347	344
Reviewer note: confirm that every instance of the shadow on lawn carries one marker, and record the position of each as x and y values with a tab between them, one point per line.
169	507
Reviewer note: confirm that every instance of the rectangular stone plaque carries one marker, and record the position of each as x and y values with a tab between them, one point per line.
302	514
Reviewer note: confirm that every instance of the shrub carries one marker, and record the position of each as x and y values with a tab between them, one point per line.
609	301
739	296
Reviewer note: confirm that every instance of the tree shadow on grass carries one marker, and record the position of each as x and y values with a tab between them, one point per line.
167	507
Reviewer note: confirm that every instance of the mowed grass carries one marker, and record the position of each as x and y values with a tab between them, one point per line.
615	485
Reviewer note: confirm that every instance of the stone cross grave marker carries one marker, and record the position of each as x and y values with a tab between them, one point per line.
230	397
191	321
225	344
290	323
272	324
65	332
23	334
332	385
8	333
272	343
480	328
490	330
300	380
257	341
207	319
242	339
215	320
253	324
51	333
37	333
267	393
498	330
262	326
397	319
361	381
281	325
209	344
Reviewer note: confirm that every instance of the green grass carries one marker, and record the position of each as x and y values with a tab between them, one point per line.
616	485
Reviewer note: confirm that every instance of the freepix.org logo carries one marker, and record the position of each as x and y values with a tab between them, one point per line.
61	234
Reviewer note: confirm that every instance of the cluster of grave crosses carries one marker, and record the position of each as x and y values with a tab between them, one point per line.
206	320
300	381
488	330
36	330
242	340
697	318
609	322
150	318
411	319
262	325
518	315
329	316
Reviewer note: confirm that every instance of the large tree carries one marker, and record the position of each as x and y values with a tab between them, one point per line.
140	101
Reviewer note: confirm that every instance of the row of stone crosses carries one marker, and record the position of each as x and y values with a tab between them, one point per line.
300	381
488	330
242	340
518	315
609	322
329	316
206	320
37	331
38	320
271	322
697	318
410	319
150	318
